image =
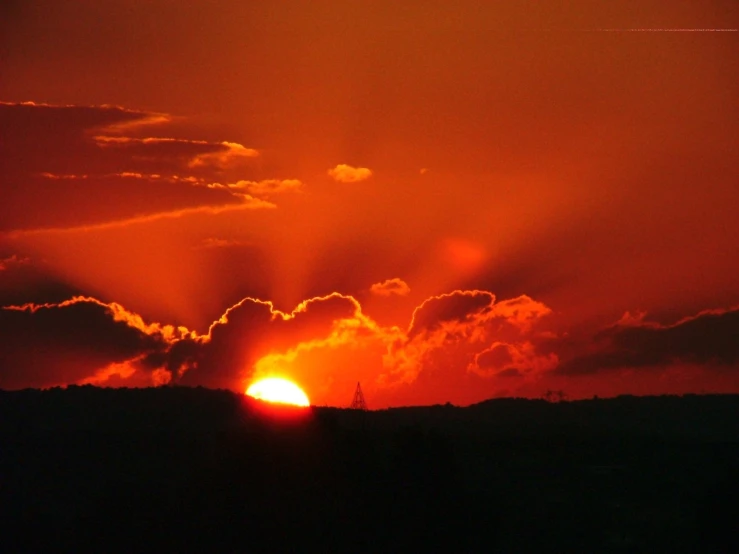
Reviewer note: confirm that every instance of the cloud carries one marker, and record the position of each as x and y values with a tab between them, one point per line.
230	153
457	308
506	359
114	372
521	312
247	203
111	114
343	173
117	312
126	175
12	261
390	287
707	338
269	186
457	331
57	138
68	342
56	177
133	125
265	187
192	153
77	166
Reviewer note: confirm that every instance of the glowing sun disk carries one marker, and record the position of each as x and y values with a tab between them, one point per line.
275	389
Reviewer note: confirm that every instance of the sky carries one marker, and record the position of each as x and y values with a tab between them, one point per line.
447	202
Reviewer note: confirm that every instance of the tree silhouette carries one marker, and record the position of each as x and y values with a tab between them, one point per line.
555	396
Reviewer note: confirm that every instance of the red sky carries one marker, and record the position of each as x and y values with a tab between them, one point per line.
444	201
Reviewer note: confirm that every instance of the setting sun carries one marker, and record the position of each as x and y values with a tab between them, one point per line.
275	389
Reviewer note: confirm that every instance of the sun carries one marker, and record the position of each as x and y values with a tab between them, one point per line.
276	389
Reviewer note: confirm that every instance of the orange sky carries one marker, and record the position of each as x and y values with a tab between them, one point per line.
444	201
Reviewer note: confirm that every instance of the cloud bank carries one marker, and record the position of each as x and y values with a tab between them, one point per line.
77	166
708	338
85	340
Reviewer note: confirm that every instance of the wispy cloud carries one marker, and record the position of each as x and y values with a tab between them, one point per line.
231	152
248	203
265	187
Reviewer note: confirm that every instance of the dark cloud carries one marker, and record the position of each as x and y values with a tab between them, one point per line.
250	330
709	338
498	355
53	344
29	280
517	359
68	166
99	199
173	154
510	372
41	137
457	306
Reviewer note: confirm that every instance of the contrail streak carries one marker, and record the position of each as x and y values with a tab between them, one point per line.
657	30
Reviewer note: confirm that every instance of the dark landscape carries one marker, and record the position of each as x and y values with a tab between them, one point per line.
179	469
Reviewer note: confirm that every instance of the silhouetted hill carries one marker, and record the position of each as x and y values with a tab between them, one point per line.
185	469
709	417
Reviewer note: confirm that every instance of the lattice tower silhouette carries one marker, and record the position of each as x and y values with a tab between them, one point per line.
358	402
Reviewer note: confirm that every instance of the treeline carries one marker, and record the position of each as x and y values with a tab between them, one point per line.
193	410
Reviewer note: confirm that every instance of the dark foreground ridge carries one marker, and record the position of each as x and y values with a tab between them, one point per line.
181	469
